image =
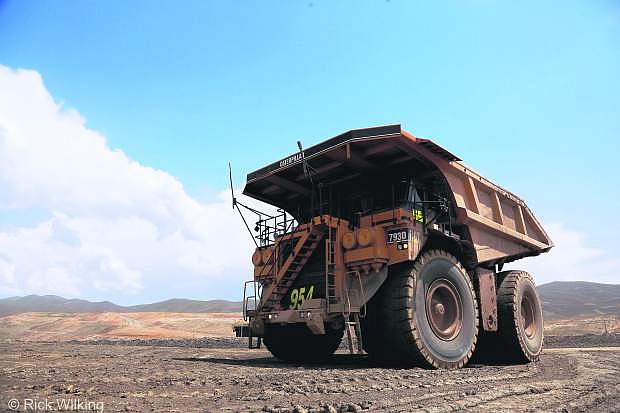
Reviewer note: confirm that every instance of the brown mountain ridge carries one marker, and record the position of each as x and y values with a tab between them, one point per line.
56	304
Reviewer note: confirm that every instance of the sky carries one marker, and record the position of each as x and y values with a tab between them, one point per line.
118	120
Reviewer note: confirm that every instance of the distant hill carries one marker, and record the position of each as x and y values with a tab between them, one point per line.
56	304
568	299
181	305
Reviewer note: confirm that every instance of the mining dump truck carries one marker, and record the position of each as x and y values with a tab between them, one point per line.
390	240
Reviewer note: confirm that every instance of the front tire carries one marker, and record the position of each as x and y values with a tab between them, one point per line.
296	343
424	314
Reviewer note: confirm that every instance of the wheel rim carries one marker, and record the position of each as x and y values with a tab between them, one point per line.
444	309
528	315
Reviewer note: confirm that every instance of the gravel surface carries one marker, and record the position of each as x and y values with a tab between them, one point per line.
190	378
585	340
202	342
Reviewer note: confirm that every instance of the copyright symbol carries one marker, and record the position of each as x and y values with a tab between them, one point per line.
13	404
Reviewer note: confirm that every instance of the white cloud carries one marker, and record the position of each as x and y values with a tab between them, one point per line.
115	225
116	228
571	259
7	275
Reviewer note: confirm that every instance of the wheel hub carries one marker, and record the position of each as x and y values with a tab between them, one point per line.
528	316
439	308
444	309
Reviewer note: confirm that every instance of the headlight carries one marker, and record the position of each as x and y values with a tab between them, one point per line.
365	237
267	254
257	258
348	240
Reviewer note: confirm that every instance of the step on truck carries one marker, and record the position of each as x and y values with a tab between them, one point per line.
393	241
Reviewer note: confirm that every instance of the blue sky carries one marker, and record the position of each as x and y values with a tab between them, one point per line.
527	93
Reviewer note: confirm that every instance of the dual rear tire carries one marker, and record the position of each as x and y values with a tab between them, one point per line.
520	332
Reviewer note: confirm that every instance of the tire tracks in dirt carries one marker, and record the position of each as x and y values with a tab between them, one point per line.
141	378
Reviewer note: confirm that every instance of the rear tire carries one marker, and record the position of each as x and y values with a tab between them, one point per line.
295	342
520	316
424	314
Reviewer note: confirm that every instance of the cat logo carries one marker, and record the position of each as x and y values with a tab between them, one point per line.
418	215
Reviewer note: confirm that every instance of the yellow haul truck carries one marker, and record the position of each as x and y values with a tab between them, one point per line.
393	240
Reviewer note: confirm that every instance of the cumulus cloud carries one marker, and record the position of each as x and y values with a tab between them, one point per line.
571	259
114	225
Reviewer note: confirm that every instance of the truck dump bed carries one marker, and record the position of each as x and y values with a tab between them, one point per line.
501	227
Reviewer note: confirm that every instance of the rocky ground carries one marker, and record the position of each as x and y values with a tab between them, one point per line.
201	375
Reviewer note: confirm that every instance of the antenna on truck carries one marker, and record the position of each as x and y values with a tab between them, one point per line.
308	171
232	191
235	204
307	168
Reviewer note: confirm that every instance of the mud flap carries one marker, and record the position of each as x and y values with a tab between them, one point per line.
488	298
362	288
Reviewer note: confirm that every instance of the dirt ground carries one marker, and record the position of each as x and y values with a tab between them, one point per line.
175	378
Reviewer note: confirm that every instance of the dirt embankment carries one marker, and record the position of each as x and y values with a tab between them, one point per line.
174	326
582	325
91	326
583	340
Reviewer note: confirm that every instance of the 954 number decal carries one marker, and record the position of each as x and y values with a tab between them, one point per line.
398	235
299	295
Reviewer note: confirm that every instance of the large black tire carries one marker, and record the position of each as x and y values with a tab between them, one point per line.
373	340
295	342
520	317
405	323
